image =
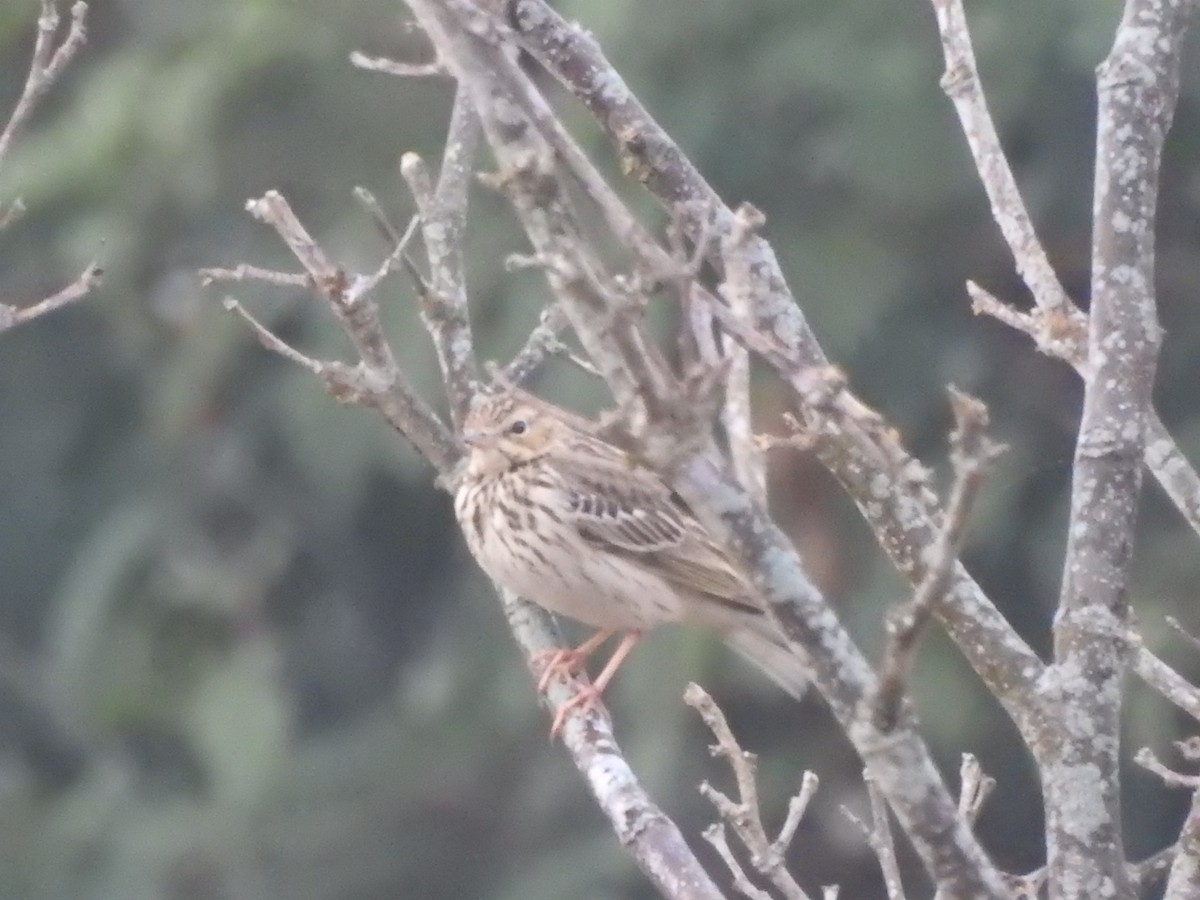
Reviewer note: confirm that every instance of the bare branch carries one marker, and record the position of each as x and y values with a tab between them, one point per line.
245	272
891	489
1058	328
378	382
1183	880
46	66
472	44
879	838
1163	457
739	292
1147	760
975	787
1167	682
715	835
542	343
650	836
395	67
744	816
12	316
961	84
443	209
904	524
971	454
1138	86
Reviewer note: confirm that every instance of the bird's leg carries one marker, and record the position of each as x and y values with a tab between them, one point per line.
589	695
567	662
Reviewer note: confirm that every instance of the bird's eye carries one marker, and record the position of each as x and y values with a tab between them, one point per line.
517	427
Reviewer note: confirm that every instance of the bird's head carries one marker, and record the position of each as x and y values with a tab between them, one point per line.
504	432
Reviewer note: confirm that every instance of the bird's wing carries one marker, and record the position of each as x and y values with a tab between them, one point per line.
624	509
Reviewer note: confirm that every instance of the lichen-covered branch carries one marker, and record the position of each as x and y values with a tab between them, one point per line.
879	839
377	382
471	45
1058	317
1138	87
653	840
971	454
869	463
898	760
739	291
443	211
1056	325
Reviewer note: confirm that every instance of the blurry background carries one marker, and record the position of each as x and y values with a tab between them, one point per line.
243	653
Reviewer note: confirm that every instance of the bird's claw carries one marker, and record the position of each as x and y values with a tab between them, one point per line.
586	699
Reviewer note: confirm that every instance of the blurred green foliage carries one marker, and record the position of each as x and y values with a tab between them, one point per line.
246	655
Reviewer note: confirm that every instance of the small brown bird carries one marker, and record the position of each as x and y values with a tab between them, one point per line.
577	526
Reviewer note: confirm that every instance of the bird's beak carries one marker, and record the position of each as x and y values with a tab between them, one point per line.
473	438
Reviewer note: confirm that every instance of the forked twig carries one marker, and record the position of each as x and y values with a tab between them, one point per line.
744	816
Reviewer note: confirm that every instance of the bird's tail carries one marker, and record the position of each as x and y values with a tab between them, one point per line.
766	648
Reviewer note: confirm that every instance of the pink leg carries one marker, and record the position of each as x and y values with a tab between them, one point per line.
567	662
588	697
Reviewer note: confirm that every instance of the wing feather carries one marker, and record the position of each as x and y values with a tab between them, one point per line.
625	509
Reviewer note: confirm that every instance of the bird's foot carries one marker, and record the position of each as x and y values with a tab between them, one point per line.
549	663
586	699
566	662
588	695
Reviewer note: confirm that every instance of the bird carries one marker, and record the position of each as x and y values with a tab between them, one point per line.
583	529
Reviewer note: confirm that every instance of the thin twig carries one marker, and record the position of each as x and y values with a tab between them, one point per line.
376	381
975	787
744	815
715	835
394	67
1169	683
971	455
652	837
1183	881
390	232
245	272
1147	760
443	209
737	415
12	316
1175	626
46	66
879	838
542	343
961	84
